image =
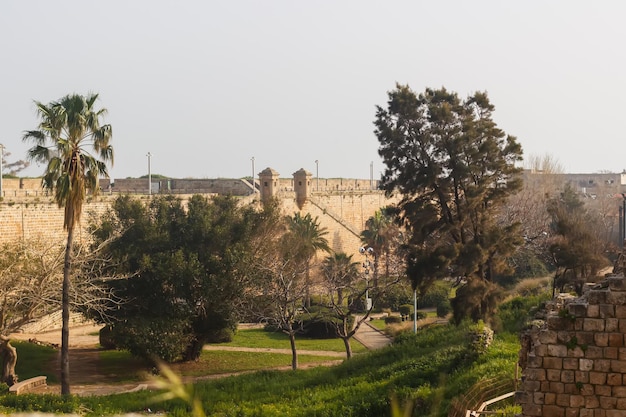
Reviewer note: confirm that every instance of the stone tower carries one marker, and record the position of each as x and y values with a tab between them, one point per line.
302	186
269	183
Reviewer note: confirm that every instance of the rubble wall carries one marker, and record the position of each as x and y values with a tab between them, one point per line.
574	362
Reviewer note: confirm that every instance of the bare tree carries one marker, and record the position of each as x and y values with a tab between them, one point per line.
30	275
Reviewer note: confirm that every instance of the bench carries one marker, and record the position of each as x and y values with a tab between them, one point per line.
27	385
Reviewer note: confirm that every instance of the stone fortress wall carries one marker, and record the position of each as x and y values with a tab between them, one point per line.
342	205
574	362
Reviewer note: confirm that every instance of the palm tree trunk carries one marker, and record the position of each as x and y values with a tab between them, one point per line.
65	303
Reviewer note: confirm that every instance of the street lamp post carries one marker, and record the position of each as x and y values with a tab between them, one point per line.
149	155
367	251
1	168
253	183
317	174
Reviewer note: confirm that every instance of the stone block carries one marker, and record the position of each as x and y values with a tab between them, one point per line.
620	312
567	377
577	309
553	411
582	377
616	339
577	401
593	325
563	400
611	352
553	374
621	354
584	413
552	363
560	323
594	352
557	350
584	338
549	398
592	401
556	387
613	378
602	391
547	337
596	297
597	378
619	392
593	311
601	339
618	366
535	374
570	363
608	403
621	327
602	365
611	325
607	311
538	397
616	298
585	365
532	410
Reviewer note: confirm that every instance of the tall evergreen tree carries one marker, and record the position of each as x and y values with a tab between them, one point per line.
454	168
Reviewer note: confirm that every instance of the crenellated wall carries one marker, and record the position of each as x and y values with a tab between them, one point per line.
343	214
574	362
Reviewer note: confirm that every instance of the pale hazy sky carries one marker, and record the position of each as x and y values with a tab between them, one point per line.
206	85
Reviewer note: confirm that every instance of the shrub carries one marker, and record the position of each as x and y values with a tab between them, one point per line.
321	322
393	319
405	310
420	315
443	309
164	339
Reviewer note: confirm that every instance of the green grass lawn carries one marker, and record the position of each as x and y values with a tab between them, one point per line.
259	338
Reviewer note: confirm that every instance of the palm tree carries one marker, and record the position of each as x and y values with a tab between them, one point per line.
67	128
379	234
311	238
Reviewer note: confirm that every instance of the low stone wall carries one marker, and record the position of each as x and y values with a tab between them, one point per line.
574	362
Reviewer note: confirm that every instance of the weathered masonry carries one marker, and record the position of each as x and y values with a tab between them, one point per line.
574	364
342	205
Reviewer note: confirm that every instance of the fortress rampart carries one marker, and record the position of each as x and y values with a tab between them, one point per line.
342	205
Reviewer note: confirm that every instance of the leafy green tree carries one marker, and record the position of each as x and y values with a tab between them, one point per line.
576	247
69	128
187	270
311	238
455	169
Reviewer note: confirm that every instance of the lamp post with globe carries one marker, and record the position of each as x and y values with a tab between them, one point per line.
367	251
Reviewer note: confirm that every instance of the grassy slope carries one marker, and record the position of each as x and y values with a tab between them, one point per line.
428	369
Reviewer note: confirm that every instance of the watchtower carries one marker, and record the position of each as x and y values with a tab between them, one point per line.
269	183
302	186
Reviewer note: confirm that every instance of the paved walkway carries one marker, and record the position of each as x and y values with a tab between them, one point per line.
371	337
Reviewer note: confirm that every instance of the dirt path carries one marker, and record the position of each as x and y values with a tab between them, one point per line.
87	379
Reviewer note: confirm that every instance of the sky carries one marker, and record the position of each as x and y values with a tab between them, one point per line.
205	86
